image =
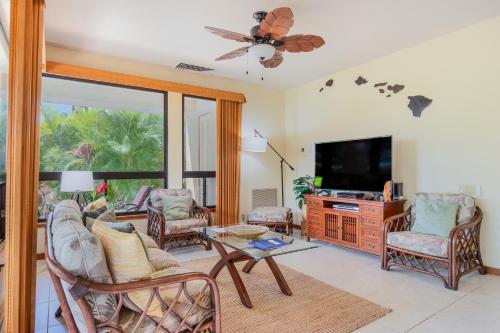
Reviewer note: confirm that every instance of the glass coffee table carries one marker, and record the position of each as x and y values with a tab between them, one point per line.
242	251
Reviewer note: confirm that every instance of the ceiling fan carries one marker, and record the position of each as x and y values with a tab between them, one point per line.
268	40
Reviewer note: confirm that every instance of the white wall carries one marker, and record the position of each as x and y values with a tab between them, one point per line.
456	141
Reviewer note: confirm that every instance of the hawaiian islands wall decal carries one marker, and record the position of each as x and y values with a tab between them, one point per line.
328	84
418	104
361	80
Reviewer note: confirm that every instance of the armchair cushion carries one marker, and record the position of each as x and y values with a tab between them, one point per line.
436	217
183	226
176	207
159	194
161	259
467	204
80	253
269	214
147	241
419	242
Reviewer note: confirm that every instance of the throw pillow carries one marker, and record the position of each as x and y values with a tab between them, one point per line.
118	226
176	207
125	254
94	209
435	217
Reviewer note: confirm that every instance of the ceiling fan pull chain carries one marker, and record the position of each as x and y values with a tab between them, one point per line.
247	61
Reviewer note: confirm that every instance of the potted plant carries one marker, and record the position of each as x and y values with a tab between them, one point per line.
302	186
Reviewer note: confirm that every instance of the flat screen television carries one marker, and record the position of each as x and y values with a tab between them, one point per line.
355	165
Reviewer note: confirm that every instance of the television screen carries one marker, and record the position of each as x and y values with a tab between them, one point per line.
356	165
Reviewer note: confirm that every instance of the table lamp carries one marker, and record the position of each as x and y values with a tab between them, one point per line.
77	182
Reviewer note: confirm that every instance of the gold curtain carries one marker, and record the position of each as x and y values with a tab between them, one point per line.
228	162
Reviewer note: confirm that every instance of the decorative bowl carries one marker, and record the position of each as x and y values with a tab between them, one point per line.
247	231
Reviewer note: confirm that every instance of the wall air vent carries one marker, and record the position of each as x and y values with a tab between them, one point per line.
183	67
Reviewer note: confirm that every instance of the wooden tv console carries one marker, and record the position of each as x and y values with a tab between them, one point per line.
360	229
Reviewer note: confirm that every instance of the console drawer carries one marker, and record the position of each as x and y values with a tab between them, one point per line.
371	245
371	221
371	210
371	233
313	211
313	221
314	233
313	203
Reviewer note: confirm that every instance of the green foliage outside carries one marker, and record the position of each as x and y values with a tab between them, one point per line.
101	140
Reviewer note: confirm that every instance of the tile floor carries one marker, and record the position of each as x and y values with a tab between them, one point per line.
419	303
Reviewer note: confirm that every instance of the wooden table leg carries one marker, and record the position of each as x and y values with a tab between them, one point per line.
249	265
228	260
285	289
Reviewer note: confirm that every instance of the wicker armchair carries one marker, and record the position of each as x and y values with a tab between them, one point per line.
451	258
179	234
82	300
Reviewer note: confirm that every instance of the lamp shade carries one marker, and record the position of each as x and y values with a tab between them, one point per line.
77	181
254	144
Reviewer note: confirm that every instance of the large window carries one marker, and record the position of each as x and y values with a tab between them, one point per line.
116	132
200	148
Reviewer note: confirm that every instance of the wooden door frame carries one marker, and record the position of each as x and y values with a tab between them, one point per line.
25	72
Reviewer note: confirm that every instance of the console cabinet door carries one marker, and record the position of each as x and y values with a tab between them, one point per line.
350	229
332	226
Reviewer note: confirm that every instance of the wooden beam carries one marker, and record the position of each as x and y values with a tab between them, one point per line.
25	71
85	73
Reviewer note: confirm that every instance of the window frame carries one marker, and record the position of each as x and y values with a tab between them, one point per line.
194	174
120	175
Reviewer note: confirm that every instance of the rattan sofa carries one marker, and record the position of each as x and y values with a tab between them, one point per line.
75	261
448	258
176	234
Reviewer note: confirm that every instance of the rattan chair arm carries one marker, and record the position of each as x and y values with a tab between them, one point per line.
465	229
400	222
202	213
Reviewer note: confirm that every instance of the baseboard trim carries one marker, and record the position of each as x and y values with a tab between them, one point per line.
492	270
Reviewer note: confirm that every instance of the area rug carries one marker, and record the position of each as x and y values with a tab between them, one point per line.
314	306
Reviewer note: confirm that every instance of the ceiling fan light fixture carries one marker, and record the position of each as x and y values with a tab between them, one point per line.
262	51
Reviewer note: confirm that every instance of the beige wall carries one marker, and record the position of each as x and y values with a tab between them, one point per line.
263	110
457	139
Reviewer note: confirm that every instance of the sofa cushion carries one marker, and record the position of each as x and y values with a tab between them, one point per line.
147	240
269	214
183	226
436	217
176	207
418	242
159	194
80	253
467	204
126	256
161	259
195	289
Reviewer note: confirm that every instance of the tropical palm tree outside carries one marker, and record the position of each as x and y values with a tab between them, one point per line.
102	140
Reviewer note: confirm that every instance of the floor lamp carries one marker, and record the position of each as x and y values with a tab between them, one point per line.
259	144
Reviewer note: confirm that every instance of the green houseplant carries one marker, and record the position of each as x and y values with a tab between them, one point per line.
302	186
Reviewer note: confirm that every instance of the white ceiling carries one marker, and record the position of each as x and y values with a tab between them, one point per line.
167	32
